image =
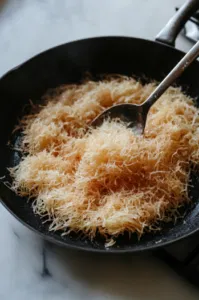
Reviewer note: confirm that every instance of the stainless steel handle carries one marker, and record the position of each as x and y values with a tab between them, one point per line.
169	33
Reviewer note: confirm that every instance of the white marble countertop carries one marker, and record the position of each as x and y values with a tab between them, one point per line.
29	267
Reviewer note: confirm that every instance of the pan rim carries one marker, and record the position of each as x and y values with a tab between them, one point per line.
116	37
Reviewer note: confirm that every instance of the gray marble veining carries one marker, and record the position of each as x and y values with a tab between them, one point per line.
31	268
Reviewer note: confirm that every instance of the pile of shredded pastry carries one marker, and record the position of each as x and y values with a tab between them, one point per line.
107	180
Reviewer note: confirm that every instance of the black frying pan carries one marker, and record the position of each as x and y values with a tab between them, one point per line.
67	64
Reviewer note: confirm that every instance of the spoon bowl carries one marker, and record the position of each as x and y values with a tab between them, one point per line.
131	114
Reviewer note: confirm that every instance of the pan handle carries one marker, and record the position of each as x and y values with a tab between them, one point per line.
169	33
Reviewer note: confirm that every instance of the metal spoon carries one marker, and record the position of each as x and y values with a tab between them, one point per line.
136	115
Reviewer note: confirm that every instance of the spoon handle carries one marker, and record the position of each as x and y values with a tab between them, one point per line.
172	76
